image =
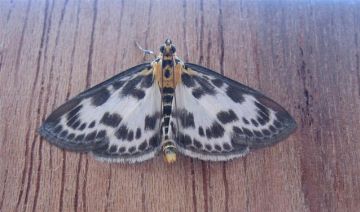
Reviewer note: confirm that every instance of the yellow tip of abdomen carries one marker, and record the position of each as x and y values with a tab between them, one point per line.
170	157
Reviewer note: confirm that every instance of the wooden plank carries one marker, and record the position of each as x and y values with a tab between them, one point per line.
304	55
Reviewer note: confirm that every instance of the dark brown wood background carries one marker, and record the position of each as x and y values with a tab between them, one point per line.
303	54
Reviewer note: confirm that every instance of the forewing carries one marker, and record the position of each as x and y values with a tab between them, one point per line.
117	120
216	118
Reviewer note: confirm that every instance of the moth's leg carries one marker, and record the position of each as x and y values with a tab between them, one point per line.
145	51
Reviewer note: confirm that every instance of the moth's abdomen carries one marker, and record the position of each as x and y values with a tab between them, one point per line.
168	96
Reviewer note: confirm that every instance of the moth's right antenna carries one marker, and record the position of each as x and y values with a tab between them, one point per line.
145	51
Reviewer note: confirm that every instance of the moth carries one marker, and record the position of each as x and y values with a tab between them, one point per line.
170	106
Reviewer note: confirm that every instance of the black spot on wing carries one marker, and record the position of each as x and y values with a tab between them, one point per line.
217	82
122	150
186	118
261	121
76	124
254	122
63	134
173	128
257	133
263	113
80	137
217	147
101	134
138	133
262	108
150	121
137	93
118	84
82	126
113	149
201	131
187	80
237	130
197	144
207	87
143	146
130	136
71	136
264	117
122	132
132	149
74	112
266	132
100	97
147	81
204	87
272	128
154	141
208	147
71	120
184	140
92	124
111	120
198	93
227	116
131	85
130	88
91	136
208	133
235	94
247	132
215	130
226	146
245	120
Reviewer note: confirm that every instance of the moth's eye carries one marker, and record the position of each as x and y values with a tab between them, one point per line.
162	49
173	49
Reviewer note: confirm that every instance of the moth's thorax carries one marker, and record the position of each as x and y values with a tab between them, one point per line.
167	70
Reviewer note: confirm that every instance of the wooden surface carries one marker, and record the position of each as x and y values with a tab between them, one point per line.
303	54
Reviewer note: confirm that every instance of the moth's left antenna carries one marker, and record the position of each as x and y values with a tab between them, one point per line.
145	51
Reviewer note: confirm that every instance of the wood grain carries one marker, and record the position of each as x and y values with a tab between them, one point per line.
303	54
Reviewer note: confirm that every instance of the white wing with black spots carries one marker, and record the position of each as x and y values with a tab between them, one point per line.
117	120
216	118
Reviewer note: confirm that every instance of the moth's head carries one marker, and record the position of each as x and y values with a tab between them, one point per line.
167	49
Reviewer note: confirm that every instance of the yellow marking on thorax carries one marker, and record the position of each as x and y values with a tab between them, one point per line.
174	78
